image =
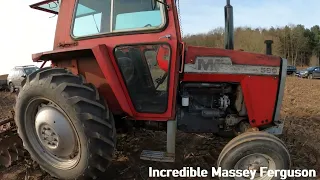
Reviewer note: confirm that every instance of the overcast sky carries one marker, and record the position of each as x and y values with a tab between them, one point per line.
25	31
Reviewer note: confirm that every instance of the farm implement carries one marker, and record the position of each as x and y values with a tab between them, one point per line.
11	147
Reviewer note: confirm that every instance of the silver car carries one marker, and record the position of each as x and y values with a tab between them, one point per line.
17	75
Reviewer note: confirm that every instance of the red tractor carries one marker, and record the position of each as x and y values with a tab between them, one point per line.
125	61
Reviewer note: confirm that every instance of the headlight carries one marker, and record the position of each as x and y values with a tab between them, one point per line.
304	72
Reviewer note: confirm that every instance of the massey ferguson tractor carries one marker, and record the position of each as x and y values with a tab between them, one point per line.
125	61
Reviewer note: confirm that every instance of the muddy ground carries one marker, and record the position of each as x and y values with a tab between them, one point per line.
301	111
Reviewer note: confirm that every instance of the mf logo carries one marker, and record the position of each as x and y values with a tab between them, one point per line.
211	63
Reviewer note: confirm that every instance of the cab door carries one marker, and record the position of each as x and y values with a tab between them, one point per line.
151	85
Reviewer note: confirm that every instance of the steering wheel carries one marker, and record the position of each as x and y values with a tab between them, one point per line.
148	25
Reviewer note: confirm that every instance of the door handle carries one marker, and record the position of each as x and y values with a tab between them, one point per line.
168	36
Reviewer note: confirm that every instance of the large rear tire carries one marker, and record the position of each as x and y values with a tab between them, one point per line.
65	125
252	150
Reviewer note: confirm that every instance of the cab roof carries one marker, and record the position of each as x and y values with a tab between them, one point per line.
50	6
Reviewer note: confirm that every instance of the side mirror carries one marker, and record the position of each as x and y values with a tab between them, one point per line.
24	76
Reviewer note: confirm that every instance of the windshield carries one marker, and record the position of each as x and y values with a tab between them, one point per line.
311	68
108	16
30	70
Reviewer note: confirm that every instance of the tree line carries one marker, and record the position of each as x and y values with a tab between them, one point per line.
298	44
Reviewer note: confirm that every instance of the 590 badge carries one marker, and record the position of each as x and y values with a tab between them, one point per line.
269	70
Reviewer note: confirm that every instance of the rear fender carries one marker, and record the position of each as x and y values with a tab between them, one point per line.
94	63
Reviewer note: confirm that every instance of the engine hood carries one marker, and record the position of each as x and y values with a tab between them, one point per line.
216	60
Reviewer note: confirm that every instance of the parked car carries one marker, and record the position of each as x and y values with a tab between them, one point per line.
3	81
310	72
17	75
291	70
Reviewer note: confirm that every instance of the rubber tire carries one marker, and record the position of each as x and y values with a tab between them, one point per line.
88	112
310	76
254	142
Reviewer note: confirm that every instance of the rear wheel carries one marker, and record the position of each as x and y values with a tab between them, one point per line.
65	125
252	151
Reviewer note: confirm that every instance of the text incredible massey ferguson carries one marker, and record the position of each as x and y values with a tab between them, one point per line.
124	61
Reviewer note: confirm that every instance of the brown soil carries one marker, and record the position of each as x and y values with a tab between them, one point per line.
301	111
6	104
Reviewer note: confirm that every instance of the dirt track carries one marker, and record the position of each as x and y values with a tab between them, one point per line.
301	110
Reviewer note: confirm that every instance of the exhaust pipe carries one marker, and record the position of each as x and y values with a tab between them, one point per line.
228	35
268	46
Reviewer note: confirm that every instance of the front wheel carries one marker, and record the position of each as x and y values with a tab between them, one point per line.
258	151
310	76
65	125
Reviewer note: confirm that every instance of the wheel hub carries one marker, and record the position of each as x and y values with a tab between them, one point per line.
55	132
255	162
49	136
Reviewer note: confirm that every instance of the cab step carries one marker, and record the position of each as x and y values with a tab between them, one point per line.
159	156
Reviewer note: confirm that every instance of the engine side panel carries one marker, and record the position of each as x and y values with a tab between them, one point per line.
260	95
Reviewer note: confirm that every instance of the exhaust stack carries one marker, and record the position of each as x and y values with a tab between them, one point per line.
228	35
268	46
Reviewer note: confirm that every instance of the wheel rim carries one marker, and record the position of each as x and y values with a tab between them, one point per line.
51	134
255	162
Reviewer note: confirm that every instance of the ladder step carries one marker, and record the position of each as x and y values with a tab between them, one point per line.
157	156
